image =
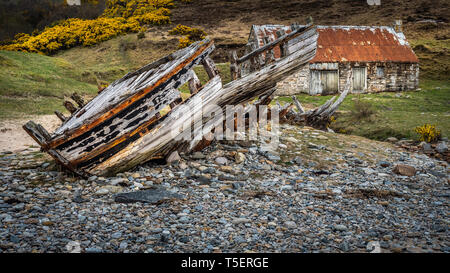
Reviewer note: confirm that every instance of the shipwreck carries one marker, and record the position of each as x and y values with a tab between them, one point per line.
123	126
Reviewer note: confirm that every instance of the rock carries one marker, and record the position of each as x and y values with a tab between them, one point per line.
373	247
403	169
392	139
273	157
116	235
14	239
238	221
123	245
298	160
221	160
227	169
384	164
108	189
153	196
291	139
93	250
119	181
183	166
290	224
101	192
173	157
239	157
426	147
340	227
286	188
322	137
184	219
198	155
47	223
441	147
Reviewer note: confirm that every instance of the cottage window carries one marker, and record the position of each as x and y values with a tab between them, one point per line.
380	71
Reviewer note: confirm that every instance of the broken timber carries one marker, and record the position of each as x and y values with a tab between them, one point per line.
123	125
319	117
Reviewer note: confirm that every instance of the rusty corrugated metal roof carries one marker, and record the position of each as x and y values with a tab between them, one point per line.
352	44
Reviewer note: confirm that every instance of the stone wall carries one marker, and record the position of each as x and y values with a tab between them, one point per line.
295	84
396	77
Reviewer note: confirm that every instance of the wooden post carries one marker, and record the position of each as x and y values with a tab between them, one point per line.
70	107
78	99
269	54
194	83
234	67
175	102
210	67
37	132
60	116
298	104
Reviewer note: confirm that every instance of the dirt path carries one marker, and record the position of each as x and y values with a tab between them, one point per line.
13	138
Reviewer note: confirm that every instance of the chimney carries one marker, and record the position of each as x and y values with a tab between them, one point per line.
398	26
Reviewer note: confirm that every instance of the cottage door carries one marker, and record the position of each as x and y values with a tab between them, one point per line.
329	79
315	84
359	79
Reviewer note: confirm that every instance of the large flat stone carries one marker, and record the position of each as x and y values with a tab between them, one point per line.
152	196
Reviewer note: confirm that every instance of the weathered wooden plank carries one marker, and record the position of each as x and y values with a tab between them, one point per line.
60	116
298	105
210	67
70	107
285	38
194	83
38	133
234	67
78	99
120	127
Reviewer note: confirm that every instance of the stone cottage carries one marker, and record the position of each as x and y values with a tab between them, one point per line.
379	57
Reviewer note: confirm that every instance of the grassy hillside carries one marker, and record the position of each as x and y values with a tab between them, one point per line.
36	84
394	114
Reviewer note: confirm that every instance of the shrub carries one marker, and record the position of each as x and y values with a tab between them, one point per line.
141	35
73	32
428	133
130	8
362	110
190	35
120	16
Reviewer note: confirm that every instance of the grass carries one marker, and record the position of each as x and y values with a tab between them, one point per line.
36	84
394	116
32	84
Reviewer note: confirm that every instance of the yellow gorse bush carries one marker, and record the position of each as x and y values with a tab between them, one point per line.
428	133
120	16
190	35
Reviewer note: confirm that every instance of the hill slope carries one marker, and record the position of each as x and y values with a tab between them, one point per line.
35	84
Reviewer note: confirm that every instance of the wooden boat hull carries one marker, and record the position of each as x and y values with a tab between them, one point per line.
122	127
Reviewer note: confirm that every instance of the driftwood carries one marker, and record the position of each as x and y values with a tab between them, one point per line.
319	117
125	125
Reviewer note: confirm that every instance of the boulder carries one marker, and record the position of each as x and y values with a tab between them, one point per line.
406	170
173	157
442	147
153	196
